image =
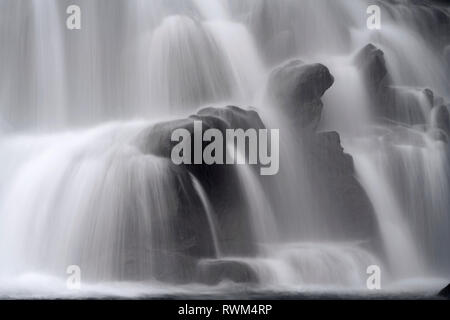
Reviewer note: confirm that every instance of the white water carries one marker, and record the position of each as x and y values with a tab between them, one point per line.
261	214
91	197
209	214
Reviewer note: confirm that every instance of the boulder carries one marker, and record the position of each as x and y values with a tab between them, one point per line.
296	89
157	139
234	117
221	182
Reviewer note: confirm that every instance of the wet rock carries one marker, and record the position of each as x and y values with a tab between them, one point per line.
401	104
176	237
157	139
441	118
445	293
193	235
327	145
296	88
332	176
438	101
429	96
191	239
212	272
370	60
384	97
221	182
234	117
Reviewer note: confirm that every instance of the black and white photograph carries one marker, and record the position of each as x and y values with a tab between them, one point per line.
224	150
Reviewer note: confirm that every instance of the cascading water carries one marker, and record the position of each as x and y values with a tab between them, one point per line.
79	189
209	213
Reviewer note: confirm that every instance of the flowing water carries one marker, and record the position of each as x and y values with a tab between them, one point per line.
210	214
78	189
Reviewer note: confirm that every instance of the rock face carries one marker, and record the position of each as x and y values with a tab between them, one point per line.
341	195
296	88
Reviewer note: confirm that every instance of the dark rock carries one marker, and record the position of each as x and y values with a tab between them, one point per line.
438	101
296	88
370	60
372	65
429	96
445	293
441	118
190	221
234	117
176	239
175	257
157	139
221	182
215	271
327	145
389	102
332	175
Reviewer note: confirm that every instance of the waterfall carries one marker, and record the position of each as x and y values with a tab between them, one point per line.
209	213
85	125
262	217
186	65
59	181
